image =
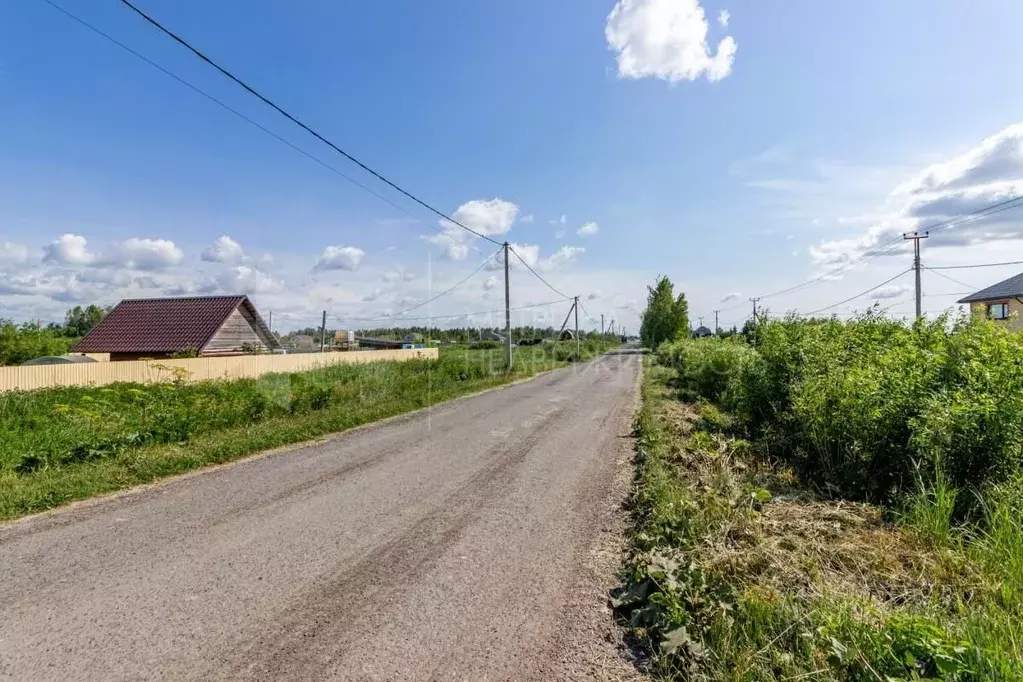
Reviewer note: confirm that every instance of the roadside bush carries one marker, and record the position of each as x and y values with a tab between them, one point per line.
864	408
710	368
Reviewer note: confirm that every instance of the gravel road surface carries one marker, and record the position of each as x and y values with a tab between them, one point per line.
472	541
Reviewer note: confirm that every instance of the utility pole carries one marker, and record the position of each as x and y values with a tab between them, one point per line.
916	237
271	323
576	308
507	313
755	310
717	329
323	331
602	339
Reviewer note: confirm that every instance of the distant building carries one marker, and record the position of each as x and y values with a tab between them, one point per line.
702	332
1002	302
162	327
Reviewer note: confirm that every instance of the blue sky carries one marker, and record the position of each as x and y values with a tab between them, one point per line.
734	173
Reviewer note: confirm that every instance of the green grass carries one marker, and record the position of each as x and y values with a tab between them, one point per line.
60	445
740	572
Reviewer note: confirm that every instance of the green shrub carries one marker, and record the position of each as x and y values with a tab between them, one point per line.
864	408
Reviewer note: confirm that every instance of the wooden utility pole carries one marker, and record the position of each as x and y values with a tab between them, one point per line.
576	307
323	332
507	313
755	310
916	237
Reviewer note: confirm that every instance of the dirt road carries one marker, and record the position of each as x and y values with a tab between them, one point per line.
459	543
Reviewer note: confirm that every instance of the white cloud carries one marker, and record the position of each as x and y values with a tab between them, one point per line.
224	250
340	258
723	18
143	254
561	257
588	229
490	283
68	249
560	221
560	234
527	219
666	39
989	173
242	279
486	217
373	295
731	296
489	218
13	254
891	291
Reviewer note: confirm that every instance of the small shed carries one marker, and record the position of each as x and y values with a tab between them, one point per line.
58	360
162	327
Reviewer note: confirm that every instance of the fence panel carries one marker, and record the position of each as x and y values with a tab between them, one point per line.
198	369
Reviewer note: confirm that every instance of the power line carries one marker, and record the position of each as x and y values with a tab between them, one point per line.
440	295
536	274
978	265
225	106
891	245
248	88
863	293
951	279
343	318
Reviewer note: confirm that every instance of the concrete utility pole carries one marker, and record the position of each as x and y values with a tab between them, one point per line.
717	329
323	331
270	324
602	332
576	308
755	310
916	237
507	313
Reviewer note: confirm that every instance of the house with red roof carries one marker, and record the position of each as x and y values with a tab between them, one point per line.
164	327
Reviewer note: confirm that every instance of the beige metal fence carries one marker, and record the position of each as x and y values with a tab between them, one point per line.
197	369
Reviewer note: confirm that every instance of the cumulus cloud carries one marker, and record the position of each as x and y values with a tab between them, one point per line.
490	283
242	279
666	39
224	250
489	218
561	257
68	249
724	16
143	254
891	291
589	229
731	296
990	173
340	258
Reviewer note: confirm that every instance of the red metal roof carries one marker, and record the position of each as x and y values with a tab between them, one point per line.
164	325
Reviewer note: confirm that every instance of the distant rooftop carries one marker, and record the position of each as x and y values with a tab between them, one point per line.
1005	289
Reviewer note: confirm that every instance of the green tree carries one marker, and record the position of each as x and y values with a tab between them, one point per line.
79	321
666	316
19	343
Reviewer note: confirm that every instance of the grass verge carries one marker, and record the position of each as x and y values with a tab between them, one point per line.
738	572
61	445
